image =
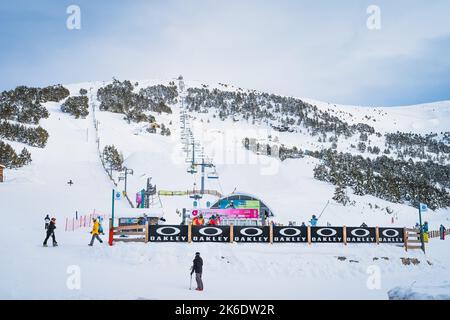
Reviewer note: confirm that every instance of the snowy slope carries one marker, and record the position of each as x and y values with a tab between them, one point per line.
259	271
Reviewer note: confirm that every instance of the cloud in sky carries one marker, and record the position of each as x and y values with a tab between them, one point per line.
317	49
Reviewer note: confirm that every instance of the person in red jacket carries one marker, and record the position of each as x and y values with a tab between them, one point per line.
198	221
213	221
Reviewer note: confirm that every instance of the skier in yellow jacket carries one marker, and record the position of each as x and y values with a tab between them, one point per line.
95	232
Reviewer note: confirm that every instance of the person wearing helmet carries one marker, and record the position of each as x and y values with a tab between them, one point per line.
51	232
197	267
95	232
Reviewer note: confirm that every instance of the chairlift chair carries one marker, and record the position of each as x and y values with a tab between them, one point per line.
213	175
192	169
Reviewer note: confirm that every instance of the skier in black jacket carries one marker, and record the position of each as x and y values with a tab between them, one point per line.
197	267
51	232
47	221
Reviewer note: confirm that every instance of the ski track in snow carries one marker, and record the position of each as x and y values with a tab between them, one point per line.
231	271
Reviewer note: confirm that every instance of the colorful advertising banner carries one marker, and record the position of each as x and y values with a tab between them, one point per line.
239	204
227	213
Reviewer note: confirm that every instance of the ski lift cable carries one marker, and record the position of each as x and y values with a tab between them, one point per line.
220	186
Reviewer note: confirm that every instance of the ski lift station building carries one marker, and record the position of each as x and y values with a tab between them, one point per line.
240	200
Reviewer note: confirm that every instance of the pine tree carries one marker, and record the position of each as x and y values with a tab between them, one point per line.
112	157
340	195
24	157
76	106
321	173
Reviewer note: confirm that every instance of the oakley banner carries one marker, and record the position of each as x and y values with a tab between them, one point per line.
251	234
168	233
211	234
361	235
327	234
391	235
290	234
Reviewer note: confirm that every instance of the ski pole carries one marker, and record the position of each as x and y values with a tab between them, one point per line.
323	209
190	284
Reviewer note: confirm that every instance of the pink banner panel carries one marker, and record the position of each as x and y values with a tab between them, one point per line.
227	213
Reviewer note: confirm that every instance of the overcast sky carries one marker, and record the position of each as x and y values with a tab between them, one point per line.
317	49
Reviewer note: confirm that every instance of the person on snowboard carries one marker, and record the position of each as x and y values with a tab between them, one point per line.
47	221
51	232
95	232
197	267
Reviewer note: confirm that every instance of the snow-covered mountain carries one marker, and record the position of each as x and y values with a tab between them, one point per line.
73	152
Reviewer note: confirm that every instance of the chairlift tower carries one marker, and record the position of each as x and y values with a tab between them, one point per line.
126	172
149	194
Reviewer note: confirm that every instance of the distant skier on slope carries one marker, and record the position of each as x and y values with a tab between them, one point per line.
313	221
51	232
95	232
197	267
47	221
